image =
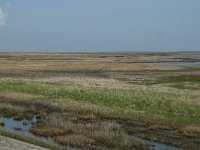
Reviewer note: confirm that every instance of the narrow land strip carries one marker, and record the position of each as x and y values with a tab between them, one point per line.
12	144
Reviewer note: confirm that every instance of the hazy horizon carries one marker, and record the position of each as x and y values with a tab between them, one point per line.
99	26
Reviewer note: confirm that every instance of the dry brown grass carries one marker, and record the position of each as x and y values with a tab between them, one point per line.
66	63
191	131
10	111
47	131
87	117
75	140
83	131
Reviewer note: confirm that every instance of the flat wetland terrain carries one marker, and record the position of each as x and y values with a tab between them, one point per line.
101	101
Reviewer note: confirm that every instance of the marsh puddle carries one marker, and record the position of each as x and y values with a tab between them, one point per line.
154	145
22	128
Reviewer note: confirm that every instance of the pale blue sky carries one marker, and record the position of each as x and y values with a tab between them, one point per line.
99	25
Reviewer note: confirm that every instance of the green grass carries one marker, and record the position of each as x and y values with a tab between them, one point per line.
173	79
178	79
151	104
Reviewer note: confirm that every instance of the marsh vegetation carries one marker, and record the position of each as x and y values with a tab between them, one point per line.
98	101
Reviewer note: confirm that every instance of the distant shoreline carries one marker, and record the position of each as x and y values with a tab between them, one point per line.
126	52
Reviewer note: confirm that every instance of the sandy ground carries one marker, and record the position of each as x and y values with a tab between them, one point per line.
12	144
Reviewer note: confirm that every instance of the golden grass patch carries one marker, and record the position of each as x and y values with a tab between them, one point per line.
48	131
75	140
191	131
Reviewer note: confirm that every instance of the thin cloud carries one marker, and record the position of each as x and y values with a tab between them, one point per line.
8	4
2	18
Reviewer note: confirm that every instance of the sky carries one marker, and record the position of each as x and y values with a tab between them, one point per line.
99	25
